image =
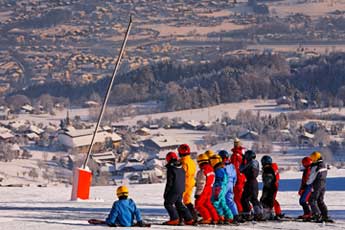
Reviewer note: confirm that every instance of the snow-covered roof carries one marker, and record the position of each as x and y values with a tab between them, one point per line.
103	157
27	108
32	135
166	141
82	137
35	129
193	123
6	135
91	103
106	128
308	135
16	124
136	166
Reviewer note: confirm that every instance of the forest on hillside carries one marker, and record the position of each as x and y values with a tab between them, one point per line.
319	79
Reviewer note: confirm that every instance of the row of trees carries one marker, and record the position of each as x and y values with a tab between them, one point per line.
320	80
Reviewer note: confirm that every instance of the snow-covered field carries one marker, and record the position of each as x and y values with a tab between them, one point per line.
49	208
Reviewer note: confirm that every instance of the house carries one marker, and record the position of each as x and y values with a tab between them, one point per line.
104	157
80	139
312	126
305	139
35	129
27	109
143	132
162	143
191	125
6	135
32	136
120	127
249	135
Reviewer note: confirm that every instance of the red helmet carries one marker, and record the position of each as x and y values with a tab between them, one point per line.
307	161
183	150
170	156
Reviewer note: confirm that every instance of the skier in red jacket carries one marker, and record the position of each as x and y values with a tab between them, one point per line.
305	190
204	181
236	160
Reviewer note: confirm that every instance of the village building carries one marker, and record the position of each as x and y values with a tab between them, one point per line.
79	139
104	157
27	109
143	132
305	139
248	135
162	143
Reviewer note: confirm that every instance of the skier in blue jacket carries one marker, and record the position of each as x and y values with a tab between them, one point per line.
231	173
219	190
124	210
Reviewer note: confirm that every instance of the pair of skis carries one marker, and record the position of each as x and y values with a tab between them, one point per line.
103	223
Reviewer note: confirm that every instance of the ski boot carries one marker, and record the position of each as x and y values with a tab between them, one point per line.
172	222
209	221
189	222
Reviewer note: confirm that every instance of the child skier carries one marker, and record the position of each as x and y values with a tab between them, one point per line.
270	179
204	182
190	168
304	190
123	212
219	190
250	168
236	160
174	188
231	174
317	179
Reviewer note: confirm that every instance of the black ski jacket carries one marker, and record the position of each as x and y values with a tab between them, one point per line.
318	174
250	169
175	184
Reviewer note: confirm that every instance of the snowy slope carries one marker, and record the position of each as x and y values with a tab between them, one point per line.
49	208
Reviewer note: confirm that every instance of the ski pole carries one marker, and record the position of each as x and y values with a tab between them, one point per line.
104	104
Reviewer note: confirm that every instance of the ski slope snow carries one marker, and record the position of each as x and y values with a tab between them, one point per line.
34	208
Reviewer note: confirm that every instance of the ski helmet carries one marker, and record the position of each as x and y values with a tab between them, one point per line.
122	191
171	156
202	158
209	153
224	154
249	155
315	156
306	162
266	160
183	150
215	160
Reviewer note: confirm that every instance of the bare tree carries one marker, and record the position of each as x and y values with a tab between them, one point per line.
33	173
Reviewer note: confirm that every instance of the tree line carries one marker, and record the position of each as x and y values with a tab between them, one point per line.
319	79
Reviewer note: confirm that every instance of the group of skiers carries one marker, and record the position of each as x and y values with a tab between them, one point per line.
226	189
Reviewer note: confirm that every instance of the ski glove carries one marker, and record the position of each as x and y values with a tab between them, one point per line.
300	192
141	224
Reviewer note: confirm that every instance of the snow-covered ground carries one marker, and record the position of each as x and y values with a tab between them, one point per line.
49	208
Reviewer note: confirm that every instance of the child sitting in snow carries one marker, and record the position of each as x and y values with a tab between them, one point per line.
123	212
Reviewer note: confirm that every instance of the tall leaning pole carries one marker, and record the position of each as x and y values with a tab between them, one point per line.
82	177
